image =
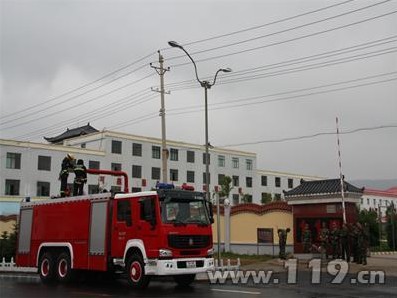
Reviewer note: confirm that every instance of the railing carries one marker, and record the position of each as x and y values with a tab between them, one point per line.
228	266
12	267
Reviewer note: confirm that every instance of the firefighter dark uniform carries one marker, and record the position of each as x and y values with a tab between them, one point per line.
80	179
66	166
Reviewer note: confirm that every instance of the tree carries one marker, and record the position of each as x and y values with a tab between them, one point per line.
266	198
8	244
369	219
226	187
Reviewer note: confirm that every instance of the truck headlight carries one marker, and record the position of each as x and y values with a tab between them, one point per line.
165	253
210	252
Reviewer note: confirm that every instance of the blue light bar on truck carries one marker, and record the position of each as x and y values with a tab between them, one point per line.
164	185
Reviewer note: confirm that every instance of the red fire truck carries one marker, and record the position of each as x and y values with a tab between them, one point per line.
162	232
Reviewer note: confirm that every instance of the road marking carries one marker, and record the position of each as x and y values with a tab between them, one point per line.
235	291
92	294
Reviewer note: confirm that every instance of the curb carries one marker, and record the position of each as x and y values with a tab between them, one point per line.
381	253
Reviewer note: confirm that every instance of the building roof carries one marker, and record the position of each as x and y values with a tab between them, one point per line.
391	192
71	133
320	187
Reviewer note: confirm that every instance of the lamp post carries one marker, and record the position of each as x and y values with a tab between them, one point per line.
206	85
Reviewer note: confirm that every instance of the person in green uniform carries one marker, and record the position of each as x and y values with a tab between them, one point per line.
324	239
307	239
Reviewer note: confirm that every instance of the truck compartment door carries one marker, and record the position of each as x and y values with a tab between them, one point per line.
97	248
25	231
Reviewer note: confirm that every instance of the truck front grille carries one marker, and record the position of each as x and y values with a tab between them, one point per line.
188	241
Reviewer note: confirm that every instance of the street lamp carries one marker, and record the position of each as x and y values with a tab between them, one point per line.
206	85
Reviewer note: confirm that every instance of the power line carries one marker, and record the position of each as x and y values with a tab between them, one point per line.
288	97
297	69
86	85
288	40
265	25
222	105
281	31
314	135
357	47
70	108
248	99
99	113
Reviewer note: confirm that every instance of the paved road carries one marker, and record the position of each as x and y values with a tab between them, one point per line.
30	286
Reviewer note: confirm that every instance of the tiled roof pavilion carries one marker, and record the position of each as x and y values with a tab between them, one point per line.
71	133
321	187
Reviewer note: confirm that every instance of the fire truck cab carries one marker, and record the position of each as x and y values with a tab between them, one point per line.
160	232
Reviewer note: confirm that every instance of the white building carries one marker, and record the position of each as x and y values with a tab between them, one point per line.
379	200
31	169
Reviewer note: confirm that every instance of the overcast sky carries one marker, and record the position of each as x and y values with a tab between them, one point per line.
297	65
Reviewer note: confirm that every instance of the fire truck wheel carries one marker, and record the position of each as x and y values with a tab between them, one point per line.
184	280
64	268
135	270
47	268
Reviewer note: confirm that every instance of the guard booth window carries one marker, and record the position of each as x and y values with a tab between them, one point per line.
124	212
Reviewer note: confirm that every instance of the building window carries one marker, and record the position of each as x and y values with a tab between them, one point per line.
221	161
115	189
115	166
136	149
205	159
290	183
93	164
248	181
156	152
248	163
236	199
12	187
93	188
375	202
43	189
264	180
190	176
136	171
367	201
116	147
235	162
173	175
136	189
277	196
44	163
235	180
190	156
277	181
13	160
220	178
174	154
205	178
156	173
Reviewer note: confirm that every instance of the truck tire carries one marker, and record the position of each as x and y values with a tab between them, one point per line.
184	280
47	268
135	270
64	268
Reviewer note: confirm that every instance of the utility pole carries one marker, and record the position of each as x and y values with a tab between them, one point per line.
342	182
164	151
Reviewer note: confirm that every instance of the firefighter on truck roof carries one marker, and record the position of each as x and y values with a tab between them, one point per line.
80	179
67	165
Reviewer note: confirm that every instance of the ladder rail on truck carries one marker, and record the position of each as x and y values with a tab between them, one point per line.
127	231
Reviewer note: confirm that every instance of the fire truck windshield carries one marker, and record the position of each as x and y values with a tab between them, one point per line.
184	211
